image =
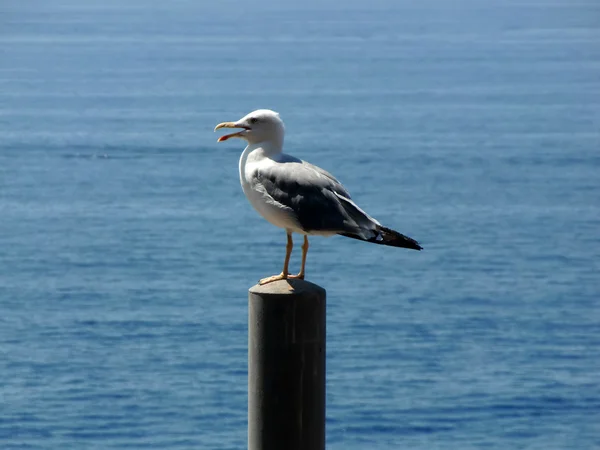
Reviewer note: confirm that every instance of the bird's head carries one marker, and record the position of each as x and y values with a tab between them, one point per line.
262	125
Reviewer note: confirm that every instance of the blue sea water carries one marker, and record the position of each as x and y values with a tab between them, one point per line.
127	246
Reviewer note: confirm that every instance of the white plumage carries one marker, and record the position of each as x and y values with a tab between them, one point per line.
298	196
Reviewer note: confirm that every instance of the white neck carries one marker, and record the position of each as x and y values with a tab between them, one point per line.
264	149
257	151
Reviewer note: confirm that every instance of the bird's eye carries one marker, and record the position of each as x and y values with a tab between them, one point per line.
253	120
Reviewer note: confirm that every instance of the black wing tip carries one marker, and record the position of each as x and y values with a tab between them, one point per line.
416	245
390	238
395	239
410	244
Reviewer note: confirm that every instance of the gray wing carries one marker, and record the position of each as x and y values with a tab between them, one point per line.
317	199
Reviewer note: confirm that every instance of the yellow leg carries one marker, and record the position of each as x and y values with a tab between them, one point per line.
304	252
284	274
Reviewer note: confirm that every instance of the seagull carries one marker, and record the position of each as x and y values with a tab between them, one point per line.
297	196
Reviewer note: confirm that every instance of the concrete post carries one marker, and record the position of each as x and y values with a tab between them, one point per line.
286	366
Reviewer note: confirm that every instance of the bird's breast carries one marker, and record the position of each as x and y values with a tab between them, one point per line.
271	210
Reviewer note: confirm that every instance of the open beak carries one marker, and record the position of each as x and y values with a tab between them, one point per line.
239	134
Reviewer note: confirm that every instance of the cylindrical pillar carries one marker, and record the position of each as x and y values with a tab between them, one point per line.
286	366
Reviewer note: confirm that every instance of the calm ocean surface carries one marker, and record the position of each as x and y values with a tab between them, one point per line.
127	246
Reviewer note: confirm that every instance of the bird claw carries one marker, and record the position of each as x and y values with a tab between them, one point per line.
281	276
300	276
